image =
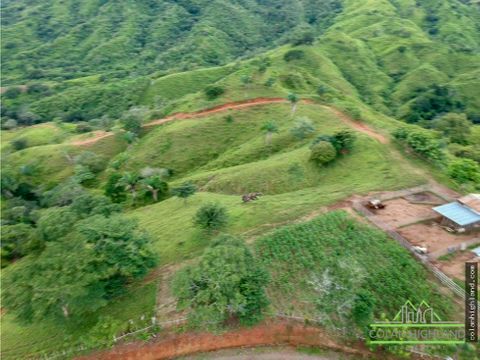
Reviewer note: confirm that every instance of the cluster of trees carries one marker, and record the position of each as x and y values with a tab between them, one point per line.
461	162
423	142
75	250
226	285
326	148
149	184
432	102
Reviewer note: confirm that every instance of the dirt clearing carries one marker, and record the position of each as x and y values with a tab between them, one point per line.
433	237
400	212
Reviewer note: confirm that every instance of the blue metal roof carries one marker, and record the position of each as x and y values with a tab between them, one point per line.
458	213
477	251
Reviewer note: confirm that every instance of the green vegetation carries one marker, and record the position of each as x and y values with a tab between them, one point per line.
336	262
227	284
211	217
344	74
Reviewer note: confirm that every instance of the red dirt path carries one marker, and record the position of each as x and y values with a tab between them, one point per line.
220	108
98	135
275	333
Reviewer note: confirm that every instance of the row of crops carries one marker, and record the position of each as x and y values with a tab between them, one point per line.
340	270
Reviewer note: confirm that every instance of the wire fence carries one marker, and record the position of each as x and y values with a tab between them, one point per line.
424	259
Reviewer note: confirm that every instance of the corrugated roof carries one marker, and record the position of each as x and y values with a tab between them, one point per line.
472	201
458	213
477	251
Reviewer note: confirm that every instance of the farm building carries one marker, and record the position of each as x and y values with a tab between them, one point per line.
462	214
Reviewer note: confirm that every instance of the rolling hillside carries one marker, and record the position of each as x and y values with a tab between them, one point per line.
141	114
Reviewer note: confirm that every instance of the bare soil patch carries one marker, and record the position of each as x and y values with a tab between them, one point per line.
455	267
424	197
433	237
361	127
399	212
93	138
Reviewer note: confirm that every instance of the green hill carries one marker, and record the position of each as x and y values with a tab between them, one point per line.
259	96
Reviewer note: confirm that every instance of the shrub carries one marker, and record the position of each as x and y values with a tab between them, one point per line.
212	92
12	92
323	152
421	141
211	217
19	144
302	128
343	140
464	171
83	128
293	55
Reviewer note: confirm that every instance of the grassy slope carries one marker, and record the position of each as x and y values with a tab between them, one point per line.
358	60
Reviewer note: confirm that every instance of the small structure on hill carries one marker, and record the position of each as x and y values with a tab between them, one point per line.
461	215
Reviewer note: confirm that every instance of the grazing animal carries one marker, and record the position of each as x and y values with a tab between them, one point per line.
251	196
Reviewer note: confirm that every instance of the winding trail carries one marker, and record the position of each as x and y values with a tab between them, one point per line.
238	105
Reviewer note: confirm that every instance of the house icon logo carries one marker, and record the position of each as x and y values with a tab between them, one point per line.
417	325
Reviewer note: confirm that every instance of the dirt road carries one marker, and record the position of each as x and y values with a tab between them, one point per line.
238	105
272	333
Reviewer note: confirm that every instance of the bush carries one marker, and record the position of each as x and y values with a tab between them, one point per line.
12	93
211	217
421	141
212	92
83	128
19	144
323	152
343	140
464	171
302	128
293	55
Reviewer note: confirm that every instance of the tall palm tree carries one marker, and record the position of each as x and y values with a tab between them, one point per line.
130	182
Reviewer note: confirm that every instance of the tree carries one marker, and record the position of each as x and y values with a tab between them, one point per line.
114	190
130	182
80	274
269	128
303	37
293	98
63	194
228	283
155	185
211	217
302	128
464	171
133	118
19	144
322	153
454	126
343	140
55	223
89	204
184	191
16	241
90	160
213	91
